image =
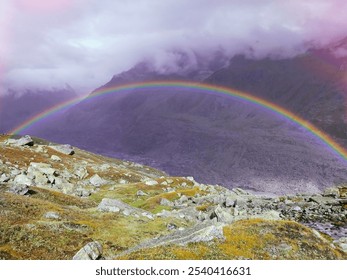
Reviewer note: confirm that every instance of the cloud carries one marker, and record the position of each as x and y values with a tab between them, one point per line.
84	43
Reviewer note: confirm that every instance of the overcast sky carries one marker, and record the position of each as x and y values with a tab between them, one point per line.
84	42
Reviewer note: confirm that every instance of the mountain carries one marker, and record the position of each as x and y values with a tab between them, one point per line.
60	202
220	139
18	106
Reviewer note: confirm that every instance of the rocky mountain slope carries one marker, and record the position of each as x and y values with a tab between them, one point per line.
18	106
60	202
218	139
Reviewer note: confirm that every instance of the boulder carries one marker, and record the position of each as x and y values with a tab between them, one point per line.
52	215
4	178
19	189
151	182
166	202
23	179
229	201
141	193
64	149
222	215
23	141
55	158
97	181
81	172
91	251
44	168
342	243
332	191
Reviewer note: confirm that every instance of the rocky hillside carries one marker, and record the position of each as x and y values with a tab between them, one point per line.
218	139
60	202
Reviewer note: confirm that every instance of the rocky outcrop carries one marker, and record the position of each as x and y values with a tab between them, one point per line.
202	232
114	205
91	251
64	149
23	141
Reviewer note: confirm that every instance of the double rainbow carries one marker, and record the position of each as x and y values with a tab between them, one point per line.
201	87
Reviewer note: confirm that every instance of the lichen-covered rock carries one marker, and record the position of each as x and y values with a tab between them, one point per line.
97	181
23	141
91	251
23	179
19	189
151	183
64	149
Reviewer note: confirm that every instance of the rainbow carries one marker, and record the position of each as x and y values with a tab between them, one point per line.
202	87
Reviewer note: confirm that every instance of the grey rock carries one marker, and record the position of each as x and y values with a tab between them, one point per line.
296	208
332	191
240	191
171	226
25	140
182	199
151	182
114	205
81	172
55	158
82	192
23	179
97	181
166	202
52	215
64	149
141	193
229	201
4	178
91	251
222	215
202	232
44	168
342	243
19	189
324	200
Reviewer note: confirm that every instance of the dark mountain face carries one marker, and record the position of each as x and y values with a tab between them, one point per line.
219	139
17	107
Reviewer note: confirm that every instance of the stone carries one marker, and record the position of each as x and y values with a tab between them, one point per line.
229	202
141	193
240	191
182	199
55	158
151	182
332	191
81	172
222	215
91	251
166	202
171	226
52	215
15	172
169	181
296	208
64	149
23	179
4	178
19	189
44	168
23	141
82	192
97	181
342	243
147	215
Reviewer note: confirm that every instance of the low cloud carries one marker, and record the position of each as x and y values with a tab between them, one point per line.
83	43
